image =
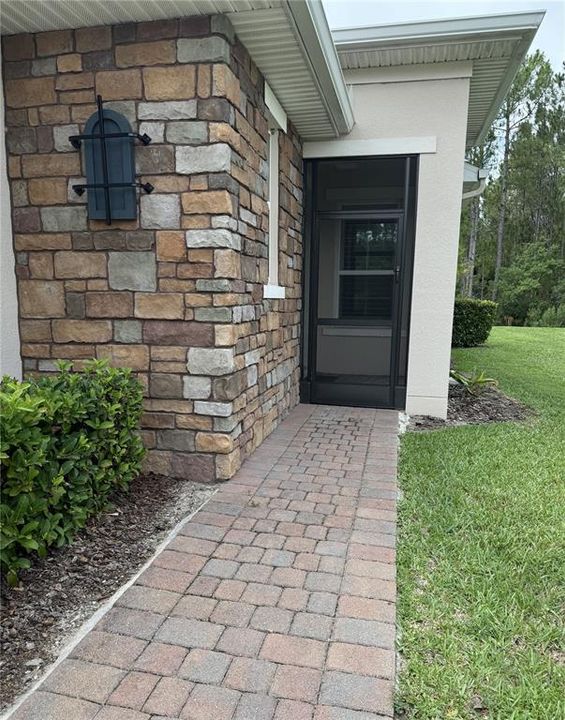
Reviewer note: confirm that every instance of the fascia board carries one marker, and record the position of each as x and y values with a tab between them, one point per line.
313	34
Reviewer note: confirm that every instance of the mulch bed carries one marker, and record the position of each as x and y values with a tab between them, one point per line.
59	593
491	405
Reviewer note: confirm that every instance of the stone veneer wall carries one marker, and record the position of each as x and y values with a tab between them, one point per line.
178	295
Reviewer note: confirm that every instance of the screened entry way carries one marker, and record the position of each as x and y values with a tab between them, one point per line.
359	264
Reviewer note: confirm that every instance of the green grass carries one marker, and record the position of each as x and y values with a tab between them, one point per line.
482	548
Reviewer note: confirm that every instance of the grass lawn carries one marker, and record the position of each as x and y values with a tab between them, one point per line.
482	548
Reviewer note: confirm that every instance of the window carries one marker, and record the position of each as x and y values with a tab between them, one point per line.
367	257
277	122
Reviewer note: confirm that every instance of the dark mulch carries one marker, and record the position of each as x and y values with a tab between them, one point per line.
60	592
491	405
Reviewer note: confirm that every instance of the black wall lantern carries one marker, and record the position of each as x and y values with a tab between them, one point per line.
110	165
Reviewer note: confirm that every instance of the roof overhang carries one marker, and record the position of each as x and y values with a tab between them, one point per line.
495	44
289	40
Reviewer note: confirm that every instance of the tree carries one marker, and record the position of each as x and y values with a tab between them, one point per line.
513	239
528	91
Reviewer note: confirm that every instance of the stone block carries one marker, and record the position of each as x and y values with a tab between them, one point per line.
155	130
168	306
72	196
30	92
228	388
71	265
35	331
93	38
20	195
47	191
227	264
214	286
157	29
61	219
210	361
208	203
160	212
180	110
55	42
12	71
98	60
54	115
135	357
225	84
197	467
87	331
207	158
127	331
213	314
127	109
144	54
154	160
69	63
41	298
172	83
165	385
212	239
108	304
75	303
21	140
181	440
41	265
191	132
196	388
132	271
26	220
119	84
227	465
18	47
78	97
50	165
203	50
221	25
171	246
213	442
61	136
43	241
175	332
216	110
44	66
75	81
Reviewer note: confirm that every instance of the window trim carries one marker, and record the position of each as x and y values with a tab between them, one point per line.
277	121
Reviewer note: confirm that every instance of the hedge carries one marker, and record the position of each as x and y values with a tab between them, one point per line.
472	322
67	441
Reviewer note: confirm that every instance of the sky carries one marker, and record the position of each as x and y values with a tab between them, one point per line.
550	37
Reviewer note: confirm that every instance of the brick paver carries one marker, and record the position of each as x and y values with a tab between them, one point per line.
275	602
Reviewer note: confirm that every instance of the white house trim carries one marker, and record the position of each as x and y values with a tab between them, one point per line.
10	359
410	73
363	148
278	115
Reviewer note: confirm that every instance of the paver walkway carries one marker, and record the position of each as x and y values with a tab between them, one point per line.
276	601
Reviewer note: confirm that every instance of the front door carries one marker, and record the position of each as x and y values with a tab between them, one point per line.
357	339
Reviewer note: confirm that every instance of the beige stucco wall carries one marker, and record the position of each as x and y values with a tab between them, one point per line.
396	108
10	361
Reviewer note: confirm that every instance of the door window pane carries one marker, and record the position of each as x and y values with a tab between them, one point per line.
368	245
366	297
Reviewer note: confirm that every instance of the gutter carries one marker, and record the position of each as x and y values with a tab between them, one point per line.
479	175
310	26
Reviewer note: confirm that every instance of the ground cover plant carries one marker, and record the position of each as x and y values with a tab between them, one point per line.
480	558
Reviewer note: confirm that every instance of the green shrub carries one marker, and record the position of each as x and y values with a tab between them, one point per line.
66	442
553	316
472	321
